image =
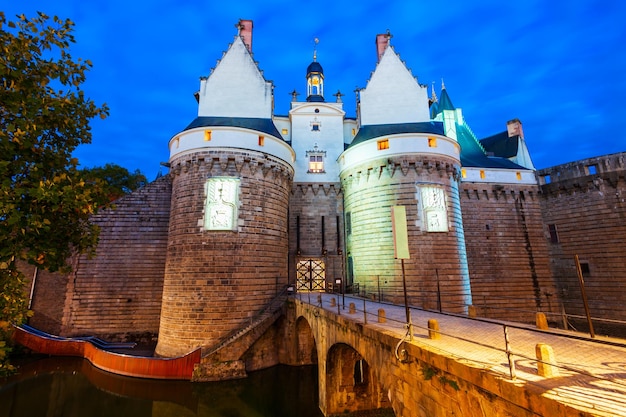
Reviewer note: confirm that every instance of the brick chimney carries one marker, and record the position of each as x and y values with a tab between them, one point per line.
514	128
245	31
382	40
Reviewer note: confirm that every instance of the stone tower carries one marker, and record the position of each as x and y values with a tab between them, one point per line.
400	157
232	173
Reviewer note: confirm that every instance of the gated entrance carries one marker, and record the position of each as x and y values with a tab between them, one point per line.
310	275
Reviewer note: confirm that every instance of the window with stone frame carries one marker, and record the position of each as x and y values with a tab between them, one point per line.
316	160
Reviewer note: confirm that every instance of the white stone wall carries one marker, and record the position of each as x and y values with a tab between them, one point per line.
401	144
393	95
194	140
236	87
329	138
498	176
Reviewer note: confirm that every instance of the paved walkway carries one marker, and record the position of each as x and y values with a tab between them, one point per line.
592	372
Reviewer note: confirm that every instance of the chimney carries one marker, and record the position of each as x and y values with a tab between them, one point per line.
382	40
514	128
245	31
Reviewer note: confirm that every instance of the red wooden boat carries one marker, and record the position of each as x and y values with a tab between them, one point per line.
95	351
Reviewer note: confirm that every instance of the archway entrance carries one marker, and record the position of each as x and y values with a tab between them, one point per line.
310	275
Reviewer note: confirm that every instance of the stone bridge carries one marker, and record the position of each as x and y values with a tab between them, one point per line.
366	363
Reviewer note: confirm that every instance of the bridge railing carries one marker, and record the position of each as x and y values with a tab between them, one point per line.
505	349
606	316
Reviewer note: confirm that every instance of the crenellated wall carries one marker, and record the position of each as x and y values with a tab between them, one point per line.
217	280
437	259
507	251
584	211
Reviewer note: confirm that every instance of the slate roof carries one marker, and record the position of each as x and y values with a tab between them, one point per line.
444	102
501	145
260	125
375	131
472	152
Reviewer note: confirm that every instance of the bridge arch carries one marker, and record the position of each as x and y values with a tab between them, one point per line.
351	383
306	353
351	377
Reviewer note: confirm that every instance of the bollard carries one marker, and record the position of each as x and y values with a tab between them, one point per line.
433	329
542	321
333	303
382	316
352	309
471	311
546	365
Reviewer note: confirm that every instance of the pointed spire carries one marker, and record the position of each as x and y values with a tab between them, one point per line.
433	97
444	101
315	78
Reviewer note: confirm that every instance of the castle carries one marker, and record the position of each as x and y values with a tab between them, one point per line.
256	202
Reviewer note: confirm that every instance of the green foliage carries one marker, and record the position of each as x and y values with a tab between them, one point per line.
429	372
45	203
116	181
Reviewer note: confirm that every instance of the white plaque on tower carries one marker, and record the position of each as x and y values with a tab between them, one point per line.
434	212
220	212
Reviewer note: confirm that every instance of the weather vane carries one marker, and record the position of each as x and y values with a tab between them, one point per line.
315	41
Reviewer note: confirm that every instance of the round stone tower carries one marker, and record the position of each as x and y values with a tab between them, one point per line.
232	174
400	157
419	170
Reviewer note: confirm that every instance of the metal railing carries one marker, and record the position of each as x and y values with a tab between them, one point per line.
601	381
563	313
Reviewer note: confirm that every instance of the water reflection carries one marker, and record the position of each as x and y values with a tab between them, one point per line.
72	387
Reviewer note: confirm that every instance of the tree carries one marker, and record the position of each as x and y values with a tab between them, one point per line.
116	180
45	203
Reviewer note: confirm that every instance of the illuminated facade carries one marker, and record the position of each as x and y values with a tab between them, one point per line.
326	183
255	202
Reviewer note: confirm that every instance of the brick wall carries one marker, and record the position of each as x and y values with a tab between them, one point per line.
436	259
217	281
507	251
585	202
48	297
308	239
117	294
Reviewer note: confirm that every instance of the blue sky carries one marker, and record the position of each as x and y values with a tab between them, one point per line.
559	67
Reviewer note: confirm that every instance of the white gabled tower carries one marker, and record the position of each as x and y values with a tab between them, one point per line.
392	94
231	174
236	87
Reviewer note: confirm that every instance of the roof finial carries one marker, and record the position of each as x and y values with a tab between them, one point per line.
443	86
433	96
315	41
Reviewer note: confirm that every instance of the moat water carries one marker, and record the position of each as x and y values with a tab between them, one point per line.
72	387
